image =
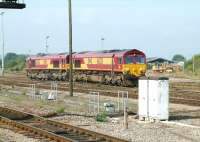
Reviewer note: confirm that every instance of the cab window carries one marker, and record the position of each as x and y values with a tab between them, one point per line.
129	60
139	59
135	60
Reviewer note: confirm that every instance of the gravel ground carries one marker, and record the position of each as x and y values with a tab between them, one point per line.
9	136
185	114
138	131
183	80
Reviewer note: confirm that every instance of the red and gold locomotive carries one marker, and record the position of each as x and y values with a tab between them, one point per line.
120	67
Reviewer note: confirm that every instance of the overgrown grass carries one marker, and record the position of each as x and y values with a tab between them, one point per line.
60	109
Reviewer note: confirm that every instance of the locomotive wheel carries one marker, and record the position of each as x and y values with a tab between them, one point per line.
107	82
125	83
114	82
119	82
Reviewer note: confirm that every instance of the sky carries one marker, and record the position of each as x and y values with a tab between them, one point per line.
160	28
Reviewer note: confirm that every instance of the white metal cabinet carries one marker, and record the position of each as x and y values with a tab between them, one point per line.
154	98
143	107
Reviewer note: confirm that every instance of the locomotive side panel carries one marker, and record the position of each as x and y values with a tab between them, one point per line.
97	64
48	67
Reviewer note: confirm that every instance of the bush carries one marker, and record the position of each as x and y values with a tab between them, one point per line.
60	110
102	117
189	65
24	93
14	62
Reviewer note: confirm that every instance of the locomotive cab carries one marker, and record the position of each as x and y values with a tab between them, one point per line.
135	64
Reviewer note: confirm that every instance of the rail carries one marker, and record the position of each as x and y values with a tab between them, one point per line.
47	129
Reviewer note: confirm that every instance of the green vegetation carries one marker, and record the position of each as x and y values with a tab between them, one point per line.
24	93
102	117
60	109
189	65
14	62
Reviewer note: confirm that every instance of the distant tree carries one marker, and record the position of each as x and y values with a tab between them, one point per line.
10	56
179	58
189	64
14	62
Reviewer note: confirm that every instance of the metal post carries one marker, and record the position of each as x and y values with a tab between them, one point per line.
193	63
47	46
112	71
124	99
70	49
3	44
89	104
98	103
125	117
102	43
118	103
94	102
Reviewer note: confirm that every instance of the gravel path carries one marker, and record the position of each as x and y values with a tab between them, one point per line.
9	136
138	131
185	114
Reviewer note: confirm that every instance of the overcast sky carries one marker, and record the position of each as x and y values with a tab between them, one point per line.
158	27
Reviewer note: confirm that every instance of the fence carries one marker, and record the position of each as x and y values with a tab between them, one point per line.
122	100
94	102
37	94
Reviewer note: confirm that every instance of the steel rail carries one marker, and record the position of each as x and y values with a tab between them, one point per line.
49	129
177	95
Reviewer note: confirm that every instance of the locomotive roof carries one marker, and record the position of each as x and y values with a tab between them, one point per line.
54	56
88	54
107	53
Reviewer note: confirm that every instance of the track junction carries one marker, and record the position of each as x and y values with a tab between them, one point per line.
48	130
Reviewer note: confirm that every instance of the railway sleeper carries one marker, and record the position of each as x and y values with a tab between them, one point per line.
73	136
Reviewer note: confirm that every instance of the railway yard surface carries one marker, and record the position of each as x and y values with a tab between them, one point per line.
183	125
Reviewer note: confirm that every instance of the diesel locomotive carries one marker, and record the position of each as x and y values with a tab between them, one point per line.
117	67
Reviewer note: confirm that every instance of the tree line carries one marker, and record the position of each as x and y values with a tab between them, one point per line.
14	62
192	64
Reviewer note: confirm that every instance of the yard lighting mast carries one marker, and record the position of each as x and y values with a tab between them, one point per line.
102	43
3	44
193	63
47	46
8	4
70	49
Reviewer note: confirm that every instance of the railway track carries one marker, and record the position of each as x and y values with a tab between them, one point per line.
180	93
48	130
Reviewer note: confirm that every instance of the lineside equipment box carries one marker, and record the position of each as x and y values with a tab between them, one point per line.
154	98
